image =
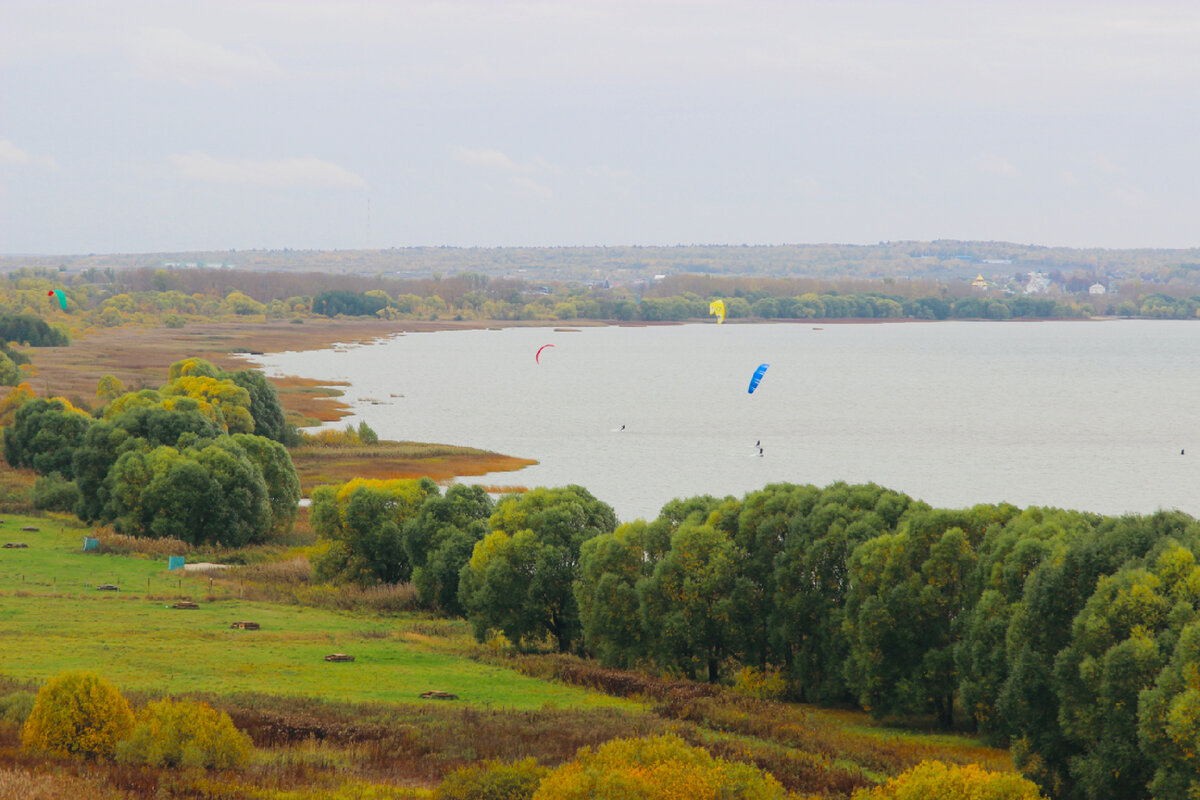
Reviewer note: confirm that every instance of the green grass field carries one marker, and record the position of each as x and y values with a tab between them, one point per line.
52	618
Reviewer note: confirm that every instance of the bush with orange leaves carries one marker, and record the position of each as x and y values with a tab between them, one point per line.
936	780
661	768
17	396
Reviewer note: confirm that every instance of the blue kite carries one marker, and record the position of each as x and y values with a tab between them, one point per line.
758	376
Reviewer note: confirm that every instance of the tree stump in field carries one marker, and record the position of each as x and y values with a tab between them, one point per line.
338	657
186	604
245	626
438	696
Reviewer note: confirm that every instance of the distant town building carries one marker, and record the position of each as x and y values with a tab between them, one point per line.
1097	288
979	282
1038	283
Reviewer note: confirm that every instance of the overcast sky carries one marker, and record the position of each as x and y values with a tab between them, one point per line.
161	125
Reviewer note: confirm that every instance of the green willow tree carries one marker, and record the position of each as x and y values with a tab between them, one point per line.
821	529
909	591
439	540
362	520
1169	721
209	494
1028	707
44	436
520	578
691	603
612	566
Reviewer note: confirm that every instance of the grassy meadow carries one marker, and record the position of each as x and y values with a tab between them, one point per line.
54	618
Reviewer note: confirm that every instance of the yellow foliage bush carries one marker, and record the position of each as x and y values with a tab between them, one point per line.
80	714
936	780
330	437
17	396
760	684
191	367
222	401
344	437
184	734
109	388
492	780
660	768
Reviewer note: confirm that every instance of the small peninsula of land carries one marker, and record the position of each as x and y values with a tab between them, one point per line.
138	357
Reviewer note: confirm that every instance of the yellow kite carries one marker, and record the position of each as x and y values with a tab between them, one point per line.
717	307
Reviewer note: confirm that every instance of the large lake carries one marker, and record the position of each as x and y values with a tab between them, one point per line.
1083	415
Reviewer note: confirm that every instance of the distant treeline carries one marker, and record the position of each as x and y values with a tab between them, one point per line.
179	297
606	305
936	260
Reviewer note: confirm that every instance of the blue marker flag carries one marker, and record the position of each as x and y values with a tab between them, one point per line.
758	376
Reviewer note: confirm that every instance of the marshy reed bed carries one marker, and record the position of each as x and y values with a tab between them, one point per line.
320	463
139	356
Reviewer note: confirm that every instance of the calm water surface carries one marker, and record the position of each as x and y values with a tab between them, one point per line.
1085	415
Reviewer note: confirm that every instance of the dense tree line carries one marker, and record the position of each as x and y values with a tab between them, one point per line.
1073	637
351	304
177	297
198	460
31	331
526	303
1159	306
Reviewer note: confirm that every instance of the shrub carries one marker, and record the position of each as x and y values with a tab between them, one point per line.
54	493
935	780
492	780
333	437
366	435
122	544
77	713
649	769
9	374
184	734
16	707
16	490
760	684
